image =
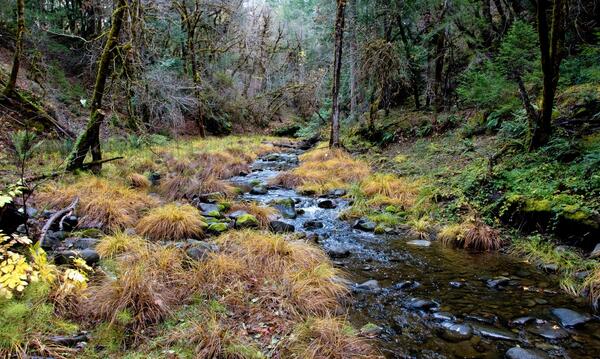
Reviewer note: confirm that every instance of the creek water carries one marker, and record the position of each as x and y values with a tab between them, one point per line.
429	301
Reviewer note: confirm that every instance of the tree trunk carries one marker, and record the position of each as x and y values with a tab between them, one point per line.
89	139
12	80
353	59
551	45
334	139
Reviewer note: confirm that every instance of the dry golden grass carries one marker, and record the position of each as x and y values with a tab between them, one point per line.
103	203
137	180
149	285
328	337
451	234
171	222
262	213
387	189
473	234
182	185
420	227
119	243
322	170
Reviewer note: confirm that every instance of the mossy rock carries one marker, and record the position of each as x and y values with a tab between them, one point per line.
215	214
218	227
246	221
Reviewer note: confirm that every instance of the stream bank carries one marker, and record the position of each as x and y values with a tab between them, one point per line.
421	299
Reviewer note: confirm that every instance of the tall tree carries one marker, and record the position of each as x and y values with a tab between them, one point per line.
89	139
12	80
334	138
551	48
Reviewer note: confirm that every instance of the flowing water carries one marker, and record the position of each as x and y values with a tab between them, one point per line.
435	302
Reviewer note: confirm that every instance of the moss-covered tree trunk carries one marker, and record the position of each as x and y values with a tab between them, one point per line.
89	139
334	139
12	80
551	48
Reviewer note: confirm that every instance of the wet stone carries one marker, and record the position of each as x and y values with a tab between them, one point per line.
259	190
206	208
419	243
443	316
312	225
522	353
521	321
407	284
368	286
421	304
326	204
338	252
498	282
457	284
570	318
365	224
336	193
287	208
237	214
549	331
494	333
281	227
455	332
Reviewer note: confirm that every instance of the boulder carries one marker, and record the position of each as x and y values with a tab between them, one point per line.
569	318
312	225
84	243
53	240
246	221
281	227
218	227
287	207
364	224
90	256
326	204
259	190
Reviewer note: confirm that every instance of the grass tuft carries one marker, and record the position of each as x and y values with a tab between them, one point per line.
137	180
119	243
172	222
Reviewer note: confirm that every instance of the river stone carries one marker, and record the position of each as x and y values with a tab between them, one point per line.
326	204
369	286
520	321
53	239
549	331
457	284
406	284
312	225
259	190
338	252
570	318
246	221
365	224
421	304
419	243
237	214
200	250
454	332
207	208
494	333
521	353
443	316
281	227
497	282
336	193
218	227
70	222
370	330
287	208
596	252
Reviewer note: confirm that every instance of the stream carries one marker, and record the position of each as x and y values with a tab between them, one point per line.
428	301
